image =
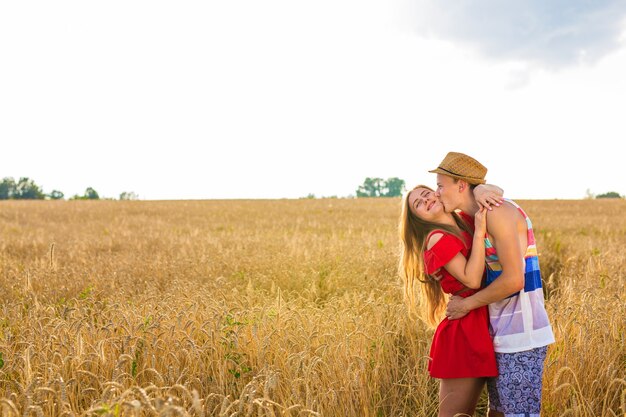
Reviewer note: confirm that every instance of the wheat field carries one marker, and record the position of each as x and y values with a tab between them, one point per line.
270	308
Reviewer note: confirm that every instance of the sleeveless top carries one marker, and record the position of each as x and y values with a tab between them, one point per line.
519	322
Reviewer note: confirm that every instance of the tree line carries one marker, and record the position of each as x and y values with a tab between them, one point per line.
394	187
378	187
26	189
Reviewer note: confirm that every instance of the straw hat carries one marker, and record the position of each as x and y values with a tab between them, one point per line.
461	166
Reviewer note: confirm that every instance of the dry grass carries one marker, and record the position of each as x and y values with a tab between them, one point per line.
269	308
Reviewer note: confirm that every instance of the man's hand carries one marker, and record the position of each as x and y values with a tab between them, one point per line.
456	308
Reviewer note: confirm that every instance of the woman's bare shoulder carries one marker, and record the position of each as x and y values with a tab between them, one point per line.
433	239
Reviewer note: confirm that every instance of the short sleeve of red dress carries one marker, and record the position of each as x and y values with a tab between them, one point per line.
442	252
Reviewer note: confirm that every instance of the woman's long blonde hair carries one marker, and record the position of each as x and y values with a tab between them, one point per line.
422	292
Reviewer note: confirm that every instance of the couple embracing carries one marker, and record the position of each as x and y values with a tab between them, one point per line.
494	328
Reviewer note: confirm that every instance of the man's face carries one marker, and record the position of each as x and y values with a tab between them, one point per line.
448	192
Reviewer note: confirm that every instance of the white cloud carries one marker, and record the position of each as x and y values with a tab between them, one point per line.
551	34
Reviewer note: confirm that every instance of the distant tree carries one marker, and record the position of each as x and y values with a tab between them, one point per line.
589	195
377	187
395	187
91	194
610	194
26	189
128	195
372	187
56	195
7	188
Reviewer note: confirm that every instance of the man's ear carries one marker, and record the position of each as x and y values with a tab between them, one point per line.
463	185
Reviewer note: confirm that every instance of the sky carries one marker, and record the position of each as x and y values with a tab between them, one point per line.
285	98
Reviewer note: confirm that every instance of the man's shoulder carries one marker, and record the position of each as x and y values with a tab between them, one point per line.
507	215
505	211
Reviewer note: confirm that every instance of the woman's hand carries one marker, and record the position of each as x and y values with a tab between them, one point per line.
488	195
480	222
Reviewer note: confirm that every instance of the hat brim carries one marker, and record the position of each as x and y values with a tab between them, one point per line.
470	180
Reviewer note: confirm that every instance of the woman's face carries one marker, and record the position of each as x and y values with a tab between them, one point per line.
424	204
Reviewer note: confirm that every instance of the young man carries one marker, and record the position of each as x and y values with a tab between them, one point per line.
518	320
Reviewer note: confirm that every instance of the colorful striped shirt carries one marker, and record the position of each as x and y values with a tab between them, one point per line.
519	322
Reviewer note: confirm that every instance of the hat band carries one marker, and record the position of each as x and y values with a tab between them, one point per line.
458	175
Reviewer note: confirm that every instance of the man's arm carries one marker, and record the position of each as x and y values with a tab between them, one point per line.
502	227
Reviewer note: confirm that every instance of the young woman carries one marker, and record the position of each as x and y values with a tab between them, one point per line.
440	256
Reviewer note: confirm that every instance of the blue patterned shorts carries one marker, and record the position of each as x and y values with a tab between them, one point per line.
516	391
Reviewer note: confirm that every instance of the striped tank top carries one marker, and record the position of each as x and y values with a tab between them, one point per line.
519	322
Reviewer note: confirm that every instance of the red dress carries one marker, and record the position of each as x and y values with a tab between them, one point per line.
461	348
